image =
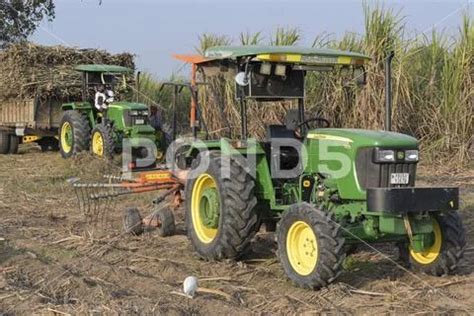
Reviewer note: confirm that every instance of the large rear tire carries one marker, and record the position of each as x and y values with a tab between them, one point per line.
74	133
220	209
4	142
447	250
310	246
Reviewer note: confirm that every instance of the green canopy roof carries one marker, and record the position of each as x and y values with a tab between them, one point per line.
222	52
103	68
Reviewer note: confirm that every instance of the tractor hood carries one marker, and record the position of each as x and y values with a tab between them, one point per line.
363	137
129	105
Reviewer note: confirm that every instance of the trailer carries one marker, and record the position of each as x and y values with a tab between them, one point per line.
35	81
29	120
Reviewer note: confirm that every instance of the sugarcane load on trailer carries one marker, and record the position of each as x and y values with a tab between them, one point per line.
355	187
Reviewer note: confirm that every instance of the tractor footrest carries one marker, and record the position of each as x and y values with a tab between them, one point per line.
401	201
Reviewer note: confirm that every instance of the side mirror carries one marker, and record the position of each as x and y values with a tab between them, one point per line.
242	79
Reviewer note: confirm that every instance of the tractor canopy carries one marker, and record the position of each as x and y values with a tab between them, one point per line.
285	54
114	77
289	54
270	73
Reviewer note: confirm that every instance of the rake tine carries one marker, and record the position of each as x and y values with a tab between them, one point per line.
84	206
106	210
93	205
89	203
77	197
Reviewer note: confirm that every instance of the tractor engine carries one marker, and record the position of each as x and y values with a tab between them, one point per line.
354	160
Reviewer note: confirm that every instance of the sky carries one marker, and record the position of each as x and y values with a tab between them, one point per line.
155	29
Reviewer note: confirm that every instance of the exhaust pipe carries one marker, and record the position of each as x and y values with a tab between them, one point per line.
137	83
388	91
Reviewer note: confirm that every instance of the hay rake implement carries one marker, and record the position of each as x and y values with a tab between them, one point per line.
96	200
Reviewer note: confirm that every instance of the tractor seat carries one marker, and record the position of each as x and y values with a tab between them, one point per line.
289	156
279	131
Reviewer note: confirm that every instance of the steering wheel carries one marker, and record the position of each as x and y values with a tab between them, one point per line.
315	119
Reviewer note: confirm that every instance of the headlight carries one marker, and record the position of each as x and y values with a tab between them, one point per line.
145	113
280	70
384	155
134	113
411	155
266	69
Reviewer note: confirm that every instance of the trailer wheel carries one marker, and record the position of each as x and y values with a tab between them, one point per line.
310	246
220	209
132	222
447	250
4	142
14	141
167	225
74	133
103	144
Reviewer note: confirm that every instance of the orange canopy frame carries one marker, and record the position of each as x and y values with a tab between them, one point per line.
194	60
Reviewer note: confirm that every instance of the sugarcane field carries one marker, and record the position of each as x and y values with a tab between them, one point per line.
236	158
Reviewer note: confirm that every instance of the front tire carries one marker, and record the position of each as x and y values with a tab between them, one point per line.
103	144
220	216
310	246
447	250
74	133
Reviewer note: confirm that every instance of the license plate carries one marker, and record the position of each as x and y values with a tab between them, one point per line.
139	121
399	178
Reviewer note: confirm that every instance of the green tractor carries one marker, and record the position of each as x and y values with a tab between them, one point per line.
100	123
355	186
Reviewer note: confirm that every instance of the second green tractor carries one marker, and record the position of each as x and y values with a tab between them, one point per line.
83	127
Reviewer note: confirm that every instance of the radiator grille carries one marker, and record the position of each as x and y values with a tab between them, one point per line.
131	120
377	175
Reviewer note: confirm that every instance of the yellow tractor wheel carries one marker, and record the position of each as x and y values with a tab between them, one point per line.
102	141
443	256
97	143
310	246
74	133
220	216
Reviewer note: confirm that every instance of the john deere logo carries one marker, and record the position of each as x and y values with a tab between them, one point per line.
400	155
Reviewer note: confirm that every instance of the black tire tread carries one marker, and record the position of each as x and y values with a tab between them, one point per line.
452	249
239	219
167	224
4	142
107	133
332	251
13	143
132	222
80	129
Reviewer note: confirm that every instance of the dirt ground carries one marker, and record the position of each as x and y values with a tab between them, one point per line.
52	262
